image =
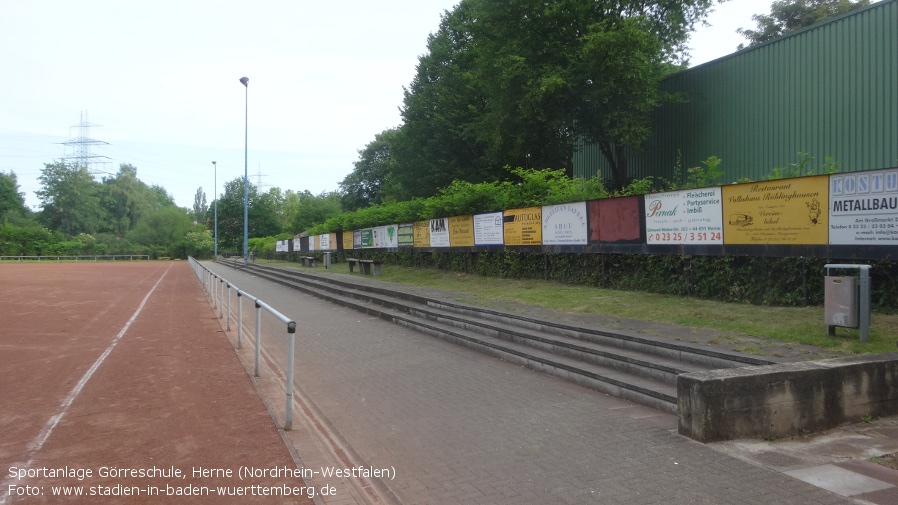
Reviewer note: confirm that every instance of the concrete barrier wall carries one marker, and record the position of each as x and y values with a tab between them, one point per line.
786	399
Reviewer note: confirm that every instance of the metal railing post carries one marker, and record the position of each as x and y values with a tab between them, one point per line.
258	335
291	348
239	320
221	288
229	308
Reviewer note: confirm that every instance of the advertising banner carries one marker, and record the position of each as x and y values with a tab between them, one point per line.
461	231
863	208
422	234
297	244
313	243
788	211
367	238
439	232
565	224
333	241
347	240
406	234
323	242
385	236
616	220
523	226
488	229
357	239
684	217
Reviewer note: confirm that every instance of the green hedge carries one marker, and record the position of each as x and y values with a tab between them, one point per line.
741	279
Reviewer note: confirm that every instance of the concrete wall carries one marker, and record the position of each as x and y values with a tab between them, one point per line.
783	399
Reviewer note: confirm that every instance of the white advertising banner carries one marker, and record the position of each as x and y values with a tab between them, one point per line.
691	217
863	208
488	229
565	224
323	242
386	236
439	232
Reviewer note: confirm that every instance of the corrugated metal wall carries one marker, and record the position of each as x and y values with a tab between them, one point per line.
828	90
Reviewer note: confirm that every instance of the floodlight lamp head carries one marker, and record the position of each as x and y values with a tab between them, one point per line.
214	163
245	81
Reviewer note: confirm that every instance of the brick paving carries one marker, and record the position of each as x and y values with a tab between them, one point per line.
459	426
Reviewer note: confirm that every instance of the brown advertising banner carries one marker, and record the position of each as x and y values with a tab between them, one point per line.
461	231
523	226
615	220
786	211
422	234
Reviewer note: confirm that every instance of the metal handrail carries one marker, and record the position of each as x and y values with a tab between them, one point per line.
216	293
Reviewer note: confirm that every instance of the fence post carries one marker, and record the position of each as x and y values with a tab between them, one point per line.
229	308
221	283
239	320
258	335
291	347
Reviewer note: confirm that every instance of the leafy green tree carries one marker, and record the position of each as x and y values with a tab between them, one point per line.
70	198
368	182
200	207
263	217
161	227
315	209
162	198
787	16
125	199
12	201
517	83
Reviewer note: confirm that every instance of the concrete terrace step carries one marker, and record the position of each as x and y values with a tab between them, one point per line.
626	366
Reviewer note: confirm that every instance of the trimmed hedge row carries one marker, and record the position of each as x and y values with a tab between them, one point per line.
743	279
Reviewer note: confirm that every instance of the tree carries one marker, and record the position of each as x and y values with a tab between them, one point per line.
315	209
787	16
518	83
368	182
200	207
70	199
263	219
12	201
126	199
161	227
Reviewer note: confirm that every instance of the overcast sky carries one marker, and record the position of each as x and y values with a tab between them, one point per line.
158	81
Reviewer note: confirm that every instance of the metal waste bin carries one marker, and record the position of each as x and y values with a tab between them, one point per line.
327	259
846	301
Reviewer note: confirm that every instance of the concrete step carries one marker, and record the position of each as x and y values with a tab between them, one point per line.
627	366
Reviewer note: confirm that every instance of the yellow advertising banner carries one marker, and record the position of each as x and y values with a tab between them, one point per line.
786	211
523	226
461	231
347	240
422	234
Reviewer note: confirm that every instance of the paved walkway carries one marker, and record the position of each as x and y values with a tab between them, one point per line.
461	427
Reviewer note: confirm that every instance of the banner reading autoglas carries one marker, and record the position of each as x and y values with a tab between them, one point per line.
785	211
684	217
523	226
863	208
565	224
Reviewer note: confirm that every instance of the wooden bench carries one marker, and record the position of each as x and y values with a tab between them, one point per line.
366	267
309	261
